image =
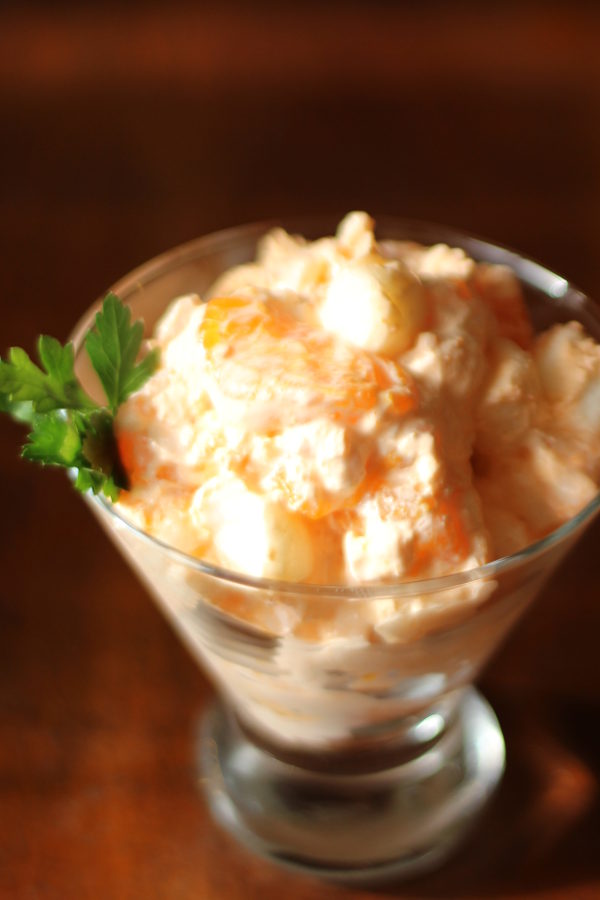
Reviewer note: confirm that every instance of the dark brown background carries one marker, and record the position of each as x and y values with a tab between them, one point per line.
127	129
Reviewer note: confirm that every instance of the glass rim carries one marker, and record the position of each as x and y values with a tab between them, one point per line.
531	272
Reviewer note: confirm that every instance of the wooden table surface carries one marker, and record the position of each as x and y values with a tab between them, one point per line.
127	130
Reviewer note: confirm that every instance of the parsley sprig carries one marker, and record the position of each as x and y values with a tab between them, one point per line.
68	428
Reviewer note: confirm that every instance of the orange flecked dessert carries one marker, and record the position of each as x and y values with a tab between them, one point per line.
343	411
353	469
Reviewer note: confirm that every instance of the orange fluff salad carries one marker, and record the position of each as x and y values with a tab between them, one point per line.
348	411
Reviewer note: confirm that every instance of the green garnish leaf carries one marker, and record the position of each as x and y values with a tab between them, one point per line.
19	410
113	346
90	480
55	388
54	441
67	427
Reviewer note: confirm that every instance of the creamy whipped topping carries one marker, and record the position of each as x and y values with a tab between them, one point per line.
344	411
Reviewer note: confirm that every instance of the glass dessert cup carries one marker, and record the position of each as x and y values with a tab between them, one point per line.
357	755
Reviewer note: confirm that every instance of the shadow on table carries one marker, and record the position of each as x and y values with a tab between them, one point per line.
543	828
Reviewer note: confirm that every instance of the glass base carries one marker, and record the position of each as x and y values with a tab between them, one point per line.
365	827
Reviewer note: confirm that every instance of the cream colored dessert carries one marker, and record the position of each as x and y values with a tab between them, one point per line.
344	412
341	411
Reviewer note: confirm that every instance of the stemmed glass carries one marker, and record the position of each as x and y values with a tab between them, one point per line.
354	757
